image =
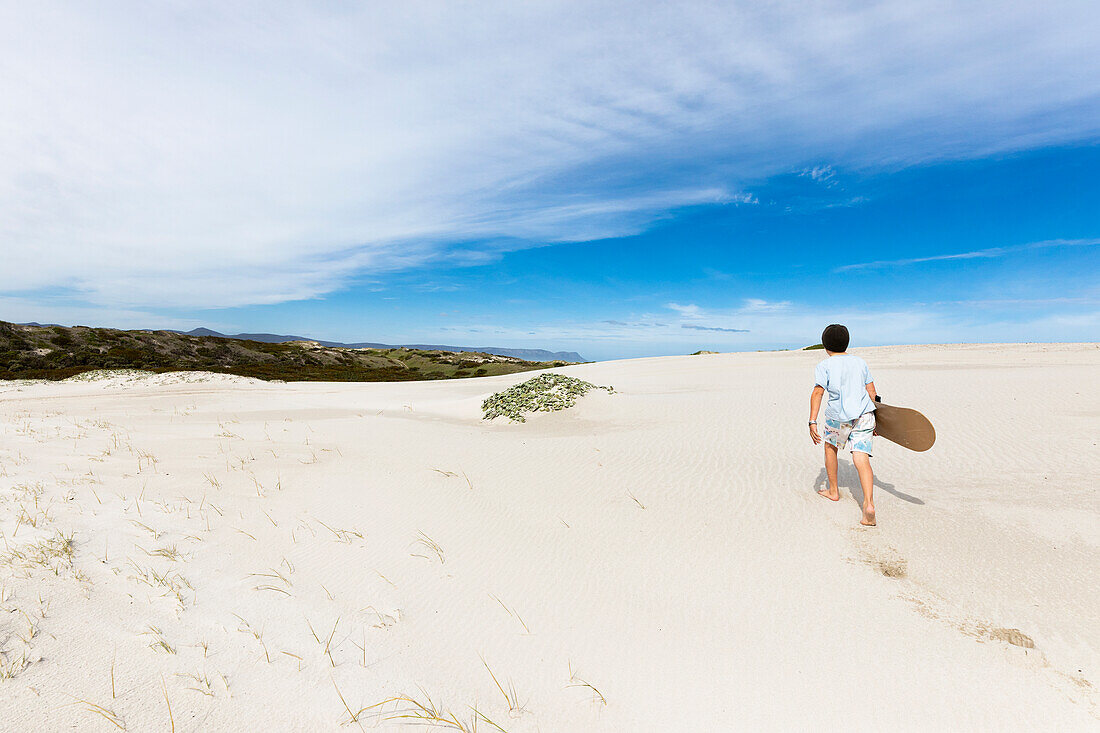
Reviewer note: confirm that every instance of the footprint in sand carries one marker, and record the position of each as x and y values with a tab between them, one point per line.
882	558
1012	636
892	568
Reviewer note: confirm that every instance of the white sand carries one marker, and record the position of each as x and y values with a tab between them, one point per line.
664	543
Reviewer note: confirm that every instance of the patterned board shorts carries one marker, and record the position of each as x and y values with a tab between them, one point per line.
852	435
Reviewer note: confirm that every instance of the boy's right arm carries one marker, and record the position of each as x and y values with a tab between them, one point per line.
815	406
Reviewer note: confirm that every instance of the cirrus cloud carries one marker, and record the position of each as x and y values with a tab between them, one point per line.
221	154
714	328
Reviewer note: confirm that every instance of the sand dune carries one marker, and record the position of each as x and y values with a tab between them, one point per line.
281	556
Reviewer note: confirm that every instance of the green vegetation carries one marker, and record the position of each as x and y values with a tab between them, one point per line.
544	393
815	347
55	352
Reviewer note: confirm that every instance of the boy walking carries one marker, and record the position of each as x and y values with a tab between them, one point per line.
849	415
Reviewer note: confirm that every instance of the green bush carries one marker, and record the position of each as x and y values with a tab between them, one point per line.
61	338
544	393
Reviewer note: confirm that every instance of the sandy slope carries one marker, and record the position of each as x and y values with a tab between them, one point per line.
663	544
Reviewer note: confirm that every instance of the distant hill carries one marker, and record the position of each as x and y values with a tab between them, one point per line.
526	354
57	352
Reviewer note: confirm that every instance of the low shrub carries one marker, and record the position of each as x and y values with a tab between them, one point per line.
544	393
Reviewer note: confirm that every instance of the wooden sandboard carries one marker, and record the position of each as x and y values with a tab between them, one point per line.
904	426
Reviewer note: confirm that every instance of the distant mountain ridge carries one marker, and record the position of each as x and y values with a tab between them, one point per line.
272	338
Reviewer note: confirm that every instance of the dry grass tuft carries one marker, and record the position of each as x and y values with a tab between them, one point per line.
168	553
353	717
328	642
512	613
146	458
12	665
423	711
429	544
452	474
146	527
202	683
342	535
283	582
107	714
575	681
53	553
247	628
171	720
170	581
510	695
159	643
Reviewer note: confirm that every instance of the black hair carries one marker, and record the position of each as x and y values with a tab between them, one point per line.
835	338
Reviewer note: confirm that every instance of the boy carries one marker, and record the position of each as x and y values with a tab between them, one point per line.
849	416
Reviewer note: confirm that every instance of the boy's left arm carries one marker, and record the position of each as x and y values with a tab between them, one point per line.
869	383
874	398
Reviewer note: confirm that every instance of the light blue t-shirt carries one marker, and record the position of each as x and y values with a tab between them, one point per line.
845	377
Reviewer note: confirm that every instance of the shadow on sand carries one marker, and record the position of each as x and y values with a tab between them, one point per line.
848	478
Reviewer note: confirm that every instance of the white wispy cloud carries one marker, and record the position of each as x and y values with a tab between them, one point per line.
688	310
800	325
987	253
727	320
217	154
824	174
718	329
757	305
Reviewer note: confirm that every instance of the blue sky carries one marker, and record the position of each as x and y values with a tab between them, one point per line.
618	179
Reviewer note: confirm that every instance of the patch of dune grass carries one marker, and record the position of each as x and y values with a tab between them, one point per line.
544	393
421	711
53	552
106	713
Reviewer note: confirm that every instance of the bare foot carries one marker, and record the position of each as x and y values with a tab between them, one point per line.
830	494
868	516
